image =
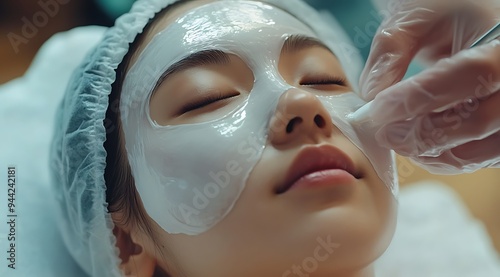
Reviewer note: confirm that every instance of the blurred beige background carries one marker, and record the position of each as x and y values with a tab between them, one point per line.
26	24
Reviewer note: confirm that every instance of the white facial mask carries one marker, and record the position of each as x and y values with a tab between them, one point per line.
190	176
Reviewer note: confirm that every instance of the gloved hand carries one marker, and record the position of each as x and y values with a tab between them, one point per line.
446	118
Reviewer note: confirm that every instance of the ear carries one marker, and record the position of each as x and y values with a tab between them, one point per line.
135	261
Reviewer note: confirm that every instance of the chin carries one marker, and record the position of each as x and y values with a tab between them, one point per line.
361	235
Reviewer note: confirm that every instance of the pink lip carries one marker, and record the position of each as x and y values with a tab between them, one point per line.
317	166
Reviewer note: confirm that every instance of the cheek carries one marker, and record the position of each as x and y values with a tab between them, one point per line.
378	205
380	197
387	207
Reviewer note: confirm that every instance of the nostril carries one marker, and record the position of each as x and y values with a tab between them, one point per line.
292	123
320	121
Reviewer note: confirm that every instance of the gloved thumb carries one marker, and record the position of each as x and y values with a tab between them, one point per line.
396	43
385	67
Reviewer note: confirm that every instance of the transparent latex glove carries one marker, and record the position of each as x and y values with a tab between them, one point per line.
447	118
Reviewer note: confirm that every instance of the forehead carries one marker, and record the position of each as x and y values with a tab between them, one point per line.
175	13
232	18
195	22
161	22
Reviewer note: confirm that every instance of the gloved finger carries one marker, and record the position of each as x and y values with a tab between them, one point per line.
430	134
433	30
393	48
465	158
474	73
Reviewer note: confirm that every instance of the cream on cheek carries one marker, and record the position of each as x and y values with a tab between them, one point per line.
189	176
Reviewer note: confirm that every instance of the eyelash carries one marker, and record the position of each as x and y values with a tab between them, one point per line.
340	81
212	98
207	100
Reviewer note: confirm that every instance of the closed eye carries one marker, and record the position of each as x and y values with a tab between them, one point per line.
325	81
208	99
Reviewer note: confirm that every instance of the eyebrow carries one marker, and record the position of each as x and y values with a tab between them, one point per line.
205	57
294	43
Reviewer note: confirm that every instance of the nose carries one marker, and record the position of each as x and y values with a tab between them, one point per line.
299	118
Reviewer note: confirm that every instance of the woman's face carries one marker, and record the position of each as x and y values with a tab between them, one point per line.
298	215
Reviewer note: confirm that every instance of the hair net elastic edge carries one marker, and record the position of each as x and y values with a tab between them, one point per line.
78	155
